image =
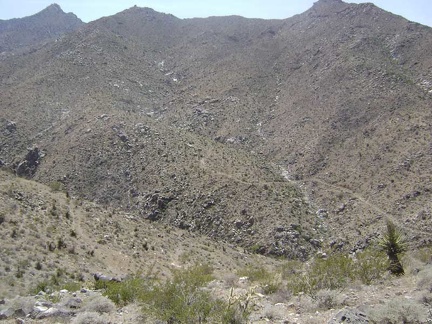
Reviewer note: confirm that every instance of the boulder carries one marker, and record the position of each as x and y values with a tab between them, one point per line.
349	315
11	126
6	313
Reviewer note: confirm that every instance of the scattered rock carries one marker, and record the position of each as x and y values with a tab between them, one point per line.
101	277
316	243
11	126
52	312
341	208
322	213
6	313
123	137
349	316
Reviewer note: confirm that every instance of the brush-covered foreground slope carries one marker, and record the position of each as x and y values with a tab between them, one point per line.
45	234
189	121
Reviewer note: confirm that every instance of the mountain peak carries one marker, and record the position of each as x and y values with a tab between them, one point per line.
328	2
324	7
47	24
54	7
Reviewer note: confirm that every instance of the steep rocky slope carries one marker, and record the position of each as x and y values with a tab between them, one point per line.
200	122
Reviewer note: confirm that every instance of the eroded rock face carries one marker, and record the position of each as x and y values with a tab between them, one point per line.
28	166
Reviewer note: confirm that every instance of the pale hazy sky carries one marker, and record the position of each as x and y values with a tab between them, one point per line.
88	10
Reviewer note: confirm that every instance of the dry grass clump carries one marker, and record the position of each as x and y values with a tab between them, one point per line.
424	280
99	304
328	299
90	318
399	310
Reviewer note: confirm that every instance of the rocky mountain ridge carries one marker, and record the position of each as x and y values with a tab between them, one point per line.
44	26
210	124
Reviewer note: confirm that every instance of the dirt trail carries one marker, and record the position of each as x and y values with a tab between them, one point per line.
357	196
367	203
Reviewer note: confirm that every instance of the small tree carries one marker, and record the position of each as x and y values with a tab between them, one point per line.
393	243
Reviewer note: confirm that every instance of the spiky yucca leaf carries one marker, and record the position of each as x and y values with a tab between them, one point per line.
393	243
393	240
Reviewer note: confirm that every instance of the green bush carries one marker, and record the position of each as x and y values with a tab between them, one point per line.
124	292
337	271
270	282
40	286
183	299
71	286
370	266
257	273
56	186
331	273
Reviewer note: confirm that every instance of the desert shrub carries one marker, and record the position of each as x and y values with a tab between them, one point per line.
370	265
424	280
38	265
183	299
412	265
336	272
291	267
125	292
56	186
333	272
270	282
399	310
231	280
254	273
424	255
19	273
328	299
238	307
55	282
40	286
99	304
89	318
71	286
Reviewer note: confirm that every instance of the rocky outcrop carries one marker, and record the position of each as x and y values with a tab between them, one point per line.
28	166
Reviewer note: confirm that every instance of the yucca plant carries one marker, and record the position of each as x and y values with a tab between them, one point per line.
393	243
